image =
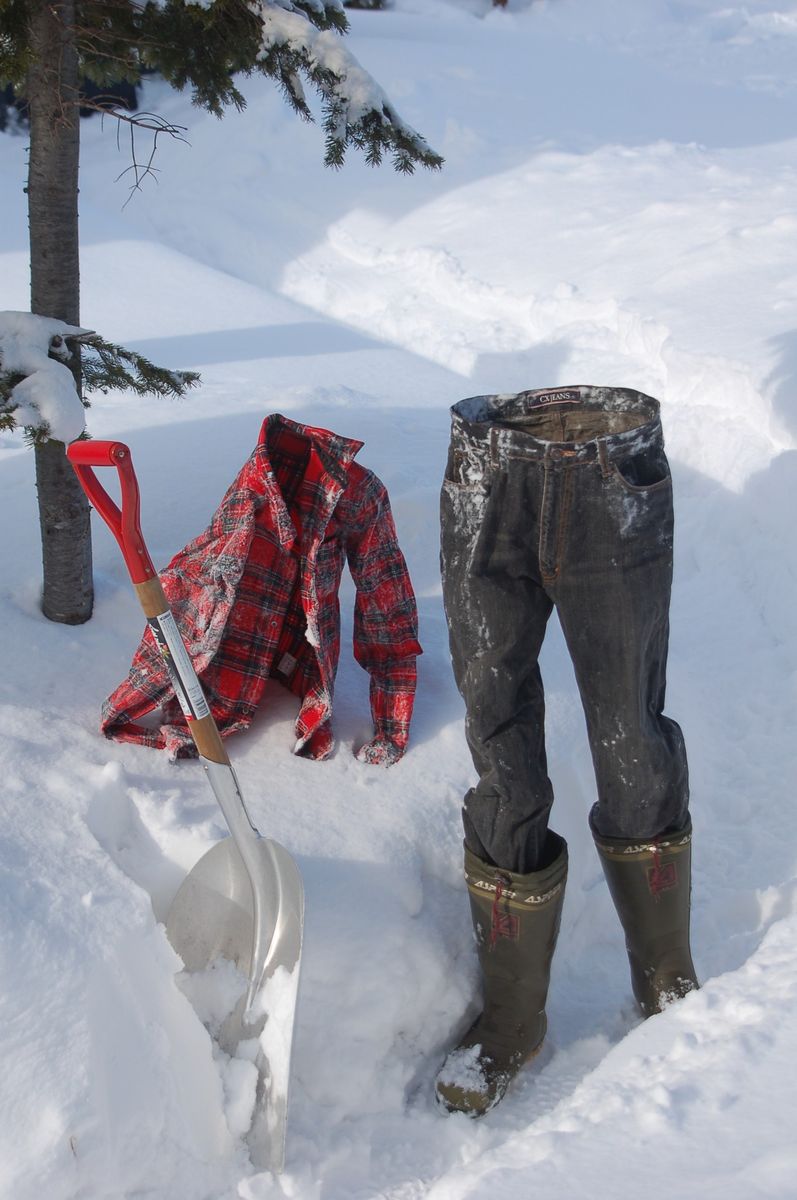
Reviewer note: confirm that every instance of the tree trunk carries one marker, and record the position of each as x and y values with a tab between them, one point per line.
67	593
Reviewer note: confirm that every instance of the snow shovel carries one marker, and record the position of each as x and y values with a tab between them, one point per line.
244	900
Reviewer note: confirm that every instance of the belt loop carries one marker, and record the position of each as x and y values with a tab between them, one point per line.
494	446
603	457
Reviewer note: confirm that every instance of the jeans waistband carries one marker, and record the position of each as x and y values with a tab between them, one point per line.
509	426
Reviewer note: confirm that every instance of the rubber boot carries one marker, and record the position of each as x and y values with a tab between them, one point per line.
516	922
650	883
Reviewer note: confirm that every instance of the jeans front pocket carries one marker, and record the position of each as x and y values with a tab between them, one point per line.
462	510
640	513
643	469
465	468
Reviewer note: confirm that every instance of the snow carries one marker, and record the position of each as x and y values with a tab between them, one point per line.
45	400
618	207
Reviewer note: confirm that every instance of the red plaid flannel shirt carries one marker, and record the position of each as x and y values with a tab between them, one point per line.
256	596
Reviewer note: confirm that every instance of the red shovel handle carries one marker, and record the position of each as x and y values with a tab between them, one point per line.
124	525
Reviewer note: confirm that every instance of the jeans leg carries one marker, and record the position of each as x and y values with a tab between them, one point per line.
613	604
497	612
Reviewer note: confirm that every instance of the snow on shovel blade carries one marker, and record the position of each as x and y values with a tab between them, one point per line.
213	917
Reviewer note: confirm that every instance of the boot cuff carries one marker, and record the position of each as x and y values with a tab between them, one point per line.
670	842
538	887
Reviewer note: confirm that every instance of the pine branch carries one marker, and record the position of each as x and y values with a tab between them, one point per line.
210	47
15	52
107	367
37	356
356	110
7	383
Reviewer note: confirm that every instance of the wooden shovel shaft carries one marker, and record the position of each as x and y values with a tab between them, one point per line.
203	729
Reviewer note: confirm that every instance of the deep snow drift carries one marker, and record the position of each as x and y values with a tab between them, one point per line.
618	206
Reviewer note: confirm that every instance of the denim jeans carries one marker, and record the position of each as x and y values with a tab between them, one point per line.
561	497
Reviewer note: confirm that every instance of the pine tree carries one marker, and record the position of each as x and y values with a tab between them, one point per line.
209	47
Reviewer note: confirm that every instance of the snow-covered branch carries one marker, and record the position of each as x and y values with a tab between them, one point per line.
37	389
357	111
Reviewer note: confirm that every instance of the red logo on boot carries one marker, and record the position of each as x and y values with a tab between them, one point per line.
662	878
502	924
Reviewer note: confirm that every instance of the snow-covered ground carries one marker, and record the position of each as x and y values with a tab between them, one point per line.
618	207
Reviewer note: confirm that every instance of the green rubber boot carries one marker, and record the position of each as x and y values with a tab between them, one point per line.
516	922
650	883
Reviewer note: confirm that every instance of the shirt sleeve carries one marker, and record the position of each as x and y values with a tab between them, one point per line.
385	621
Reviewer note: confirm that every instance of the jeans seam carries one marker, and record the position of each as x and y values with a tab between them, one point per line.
494	447
546	575
567	494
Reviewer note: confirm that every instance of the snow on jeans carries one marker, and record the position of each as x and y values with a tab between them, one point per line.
561	497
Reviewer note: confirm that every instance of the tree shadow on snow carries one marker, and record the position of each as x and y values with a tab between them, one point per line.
289	340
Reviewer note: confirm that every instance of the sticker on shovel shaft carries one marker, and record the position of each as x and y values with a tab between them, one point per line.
187	687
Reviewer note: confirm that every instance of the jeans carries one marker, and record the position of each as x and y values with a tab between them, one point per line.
561	497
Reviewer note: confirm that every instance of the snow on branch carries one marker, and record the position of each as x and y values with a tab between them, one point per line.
38	392
37	389
356	110
320	10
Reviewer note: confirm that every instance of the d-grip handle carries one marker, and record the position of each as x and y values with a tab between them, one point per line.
124	524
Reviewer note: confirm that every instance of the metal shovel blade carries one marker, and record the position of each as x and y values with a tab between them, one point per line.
212	917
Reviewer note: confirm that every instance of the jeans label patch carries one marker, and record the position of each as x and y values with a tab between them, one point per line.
546	398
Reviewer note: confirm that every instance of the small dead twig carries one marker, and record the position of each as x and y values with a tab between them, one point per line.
151	123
